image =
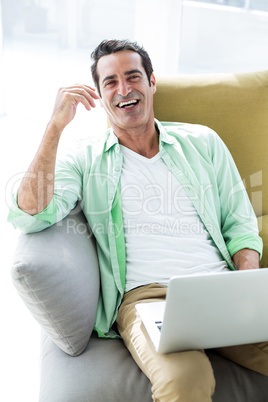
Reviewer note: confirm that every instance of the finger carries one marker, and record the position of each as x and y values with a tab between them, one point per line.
72	99
94	94
88	92
84	100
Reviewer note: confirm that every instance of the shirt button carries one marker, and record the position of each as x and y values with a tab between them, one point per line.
117	169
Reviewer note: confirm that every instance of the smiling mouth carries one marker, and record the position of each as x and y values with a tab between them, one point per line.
128	104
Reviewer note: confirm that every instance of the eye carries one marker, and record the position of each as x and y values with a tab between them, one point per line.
133	77
109	83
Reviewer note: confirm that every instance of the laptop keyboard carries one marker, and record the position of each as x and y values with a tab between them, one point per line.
159	325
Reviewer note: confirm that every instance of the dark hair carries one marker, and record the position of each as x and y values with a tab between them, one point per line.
107	47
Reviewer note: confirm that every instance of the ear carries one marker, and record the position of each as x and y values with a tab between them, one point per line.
153	83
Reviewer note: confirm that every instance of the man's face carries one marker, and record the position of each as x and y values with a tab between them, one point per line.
125	92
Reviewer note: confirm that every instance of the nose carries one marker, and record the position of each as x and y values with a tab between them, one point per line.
123	88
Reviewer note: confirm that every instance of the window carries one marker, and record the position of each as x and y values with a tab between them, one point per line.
224	36
261	5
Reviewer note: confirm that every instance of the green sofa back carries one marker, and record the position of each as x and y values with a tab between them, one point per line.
236	107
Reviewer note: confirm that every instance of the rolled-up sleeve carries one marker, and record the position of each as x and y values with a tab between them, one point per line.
250	241
67	192
31	223
238	221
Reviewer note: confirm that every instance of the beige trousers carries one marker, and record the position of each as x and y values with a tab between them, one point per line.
183	376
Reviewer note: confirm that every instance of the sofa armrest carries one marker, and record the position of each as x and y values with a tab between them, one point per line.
56	273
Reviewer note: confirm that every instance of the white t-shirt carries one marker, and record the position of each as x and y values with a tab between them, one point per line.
163	232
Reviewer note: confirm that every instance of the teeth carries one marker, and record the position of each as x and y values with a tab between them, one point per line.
122	104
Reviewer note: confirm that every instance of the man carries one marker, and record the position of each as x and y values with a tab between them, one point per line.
160	201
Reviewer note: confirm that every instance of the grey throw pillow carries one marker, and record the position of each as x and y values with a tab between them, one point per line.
56	273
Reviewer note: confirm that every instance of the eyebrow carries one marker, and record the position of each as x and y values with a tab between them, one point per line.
133	72
112	77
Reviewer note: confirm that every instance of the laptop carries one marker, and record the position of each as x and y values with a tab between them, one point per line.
209	311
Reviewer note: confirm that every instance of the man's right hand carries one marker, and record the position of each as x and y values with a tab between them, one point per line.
67	101
34	194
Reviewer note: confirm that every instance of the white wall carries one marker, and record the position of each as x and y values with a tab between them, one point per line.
1	68
91	21
223	39
158	27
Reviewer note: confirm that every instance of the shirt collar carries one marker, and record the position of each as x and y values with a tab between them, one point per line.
111	140
163	137
163	134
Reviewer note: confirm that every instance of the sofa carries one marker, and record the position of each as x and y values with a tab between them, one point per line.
56	271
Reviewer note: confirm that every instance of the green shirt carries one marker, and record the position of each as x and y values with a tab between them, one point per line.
91	174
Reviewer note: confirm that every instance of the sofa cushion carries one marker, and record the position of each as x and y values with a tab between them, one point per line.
56	274
107	372
104	372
